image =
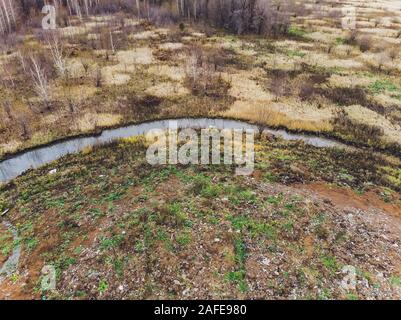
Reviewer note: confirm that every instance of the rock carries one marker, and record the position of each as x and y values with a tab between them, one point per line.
54	171
348	283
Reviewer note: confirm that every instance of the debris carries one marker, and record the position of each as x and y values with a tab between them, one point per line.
348	283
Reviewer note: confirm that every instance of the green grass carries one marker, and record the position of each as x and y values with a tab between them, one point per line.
238	196
382	86
395	281
31	243
240	251
184	238
179	216
352	296
139	246
295	53
330	263
294	31
275	200
253	226
339	41
238	276
103	286
112	242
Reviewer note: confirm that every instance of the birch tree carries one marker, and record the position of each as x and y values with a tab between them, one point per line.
138	8
41	85
6	14
58	56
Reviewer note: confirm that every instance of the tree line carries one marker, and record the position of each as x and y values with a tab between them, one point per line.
239	16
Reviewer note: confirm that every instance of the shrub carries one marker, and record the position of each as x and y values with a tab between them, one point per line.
351	38
365	43
201	76
393	53
145	106
278	85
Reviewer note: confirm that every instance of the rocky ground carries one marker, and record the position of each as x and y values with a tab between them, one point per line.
116	228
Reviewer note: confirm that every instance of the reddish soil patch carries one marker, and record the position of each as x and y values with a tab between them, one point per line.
347	198
15	291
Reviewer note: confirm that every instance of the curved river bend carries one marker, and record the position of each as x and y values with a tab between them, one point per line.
17	165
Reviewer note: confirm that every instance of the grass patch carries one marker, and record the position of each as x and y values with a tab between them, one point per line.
395	281
184	238
295	53
382	86
103	286
238	276
296	32
330	263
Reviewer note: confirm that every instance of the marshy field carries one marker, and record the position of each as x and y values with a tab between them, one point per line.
306	221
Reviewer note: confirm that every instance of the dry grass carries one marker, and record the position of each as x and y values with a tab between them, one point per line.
168	90
171	46
111	76
158	67
90	121
145	35
173	73
266	114
128	62
10	146
244	87
391	132
143	55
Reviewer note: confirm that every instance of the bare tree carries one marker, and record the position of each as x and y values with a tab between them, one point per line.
138	8
21	58
256	16
40	82
394	53
278	85
58	56
98	77
23	123
193	70
111	41
382	60
8	17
